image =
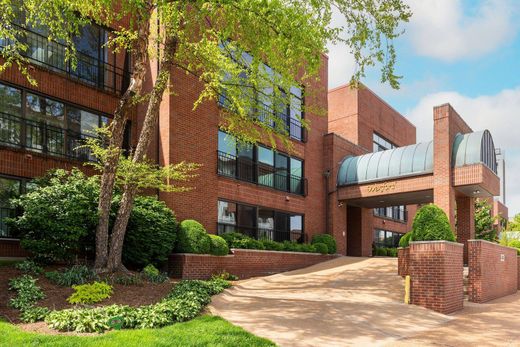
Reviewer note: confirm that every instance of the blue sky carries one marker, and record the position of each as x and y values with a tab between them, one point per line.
465	52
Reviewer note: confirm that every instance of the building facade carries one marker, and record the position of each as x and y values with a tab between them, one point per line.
262	192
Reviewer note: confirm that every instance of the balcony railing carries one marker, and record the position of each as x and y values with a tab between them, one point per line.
250	171
263	234
90	70
37	136
5	230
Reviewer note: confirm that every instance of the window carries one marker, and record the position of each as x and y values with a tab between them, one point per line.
44	124
385	238
259	222
381	144
398	213
10	187
259	164
290	114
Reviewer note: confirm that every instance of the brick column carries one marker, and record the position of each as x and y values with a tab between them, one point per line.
465	222
436	273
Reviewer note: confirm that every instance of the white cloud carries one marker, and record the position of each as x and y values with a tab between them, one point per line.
499	113
447	30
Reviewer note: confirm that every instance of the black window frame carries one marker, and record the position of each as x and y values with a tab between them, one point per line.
11	212
255	231
391	241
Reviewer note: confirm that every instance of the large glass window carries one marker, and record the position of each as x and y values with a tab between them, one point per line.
397	213
296	176
381	143
282	171
9	188
259	222
386	238
45	125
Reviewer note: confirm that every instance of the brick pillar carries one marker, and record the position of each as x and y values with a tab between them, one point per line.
465	222
436	273
443	192
367	231
338	224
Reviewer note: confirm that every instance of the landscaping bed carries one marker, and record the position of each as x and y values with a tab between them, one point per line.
144	293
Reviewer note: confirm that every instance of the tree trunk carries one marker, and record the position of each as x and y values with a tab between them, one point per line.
117	127
145	138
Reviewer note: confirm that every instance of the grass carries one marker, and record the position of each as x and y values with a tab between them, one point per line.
201	331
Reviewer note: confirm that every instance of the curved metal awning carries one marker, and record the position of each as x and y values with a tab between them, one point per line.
415	160
394	163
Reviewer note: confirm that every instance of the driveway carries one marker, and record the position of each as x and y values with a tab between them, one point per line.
345	301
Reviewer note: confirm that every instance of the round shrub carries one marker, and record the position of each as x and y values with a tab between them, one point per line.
326	239
321	248
431	223
193	238
218	245
308	248
151	233
404	241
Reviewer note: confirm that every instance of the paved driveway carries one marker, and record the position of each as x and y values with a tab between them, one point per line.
345	301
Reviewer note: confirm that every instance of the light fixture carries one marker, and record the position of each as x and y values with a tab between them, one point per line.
476	192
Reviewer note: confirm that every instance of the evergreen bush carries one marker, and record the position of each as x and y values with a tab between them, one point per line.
431	223
326	239
193	238
218	245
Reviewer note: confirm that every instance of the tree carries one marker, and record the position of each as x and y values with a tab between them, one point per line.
514	224
484	221
225	43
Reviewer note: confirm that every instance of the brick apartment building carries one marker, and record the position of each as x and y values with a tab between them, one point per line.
251	189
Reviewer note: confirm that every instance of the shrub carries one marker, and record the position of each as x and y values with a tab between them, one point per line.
218	245
58	216
404	241
321	248
224	275
29	267
77	274
193	238
151	233
27	292
248	243
391	252
272	245
34	314
127	280
232	237
515	244
90	293
308	248
431	223
184	303
153	275
326	239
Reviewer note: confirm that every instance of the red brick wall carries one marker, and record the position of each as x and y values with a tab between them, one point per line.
493	271
518	268
403	261
11	249
465	222
242	263
436	272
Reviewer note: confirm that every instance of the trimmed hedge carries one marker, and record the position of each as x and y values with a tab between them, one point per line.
321	248
431	223
515	244
241	241
405	239
193	238
218	246
326	239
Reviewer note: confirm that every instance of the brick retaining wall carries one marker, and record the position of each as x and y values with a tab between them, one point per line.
11	249
242	263
518	269
493	271
436	272
403	261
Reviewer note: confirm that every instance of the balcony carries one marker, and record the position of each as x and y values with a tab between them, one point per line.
258	173
43	138
93	71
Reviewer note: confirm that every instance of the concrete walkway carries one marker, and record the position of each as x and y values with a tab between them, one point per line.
342	302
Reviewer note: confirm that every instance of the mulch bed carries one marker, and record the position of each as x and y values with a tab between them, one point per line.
145	293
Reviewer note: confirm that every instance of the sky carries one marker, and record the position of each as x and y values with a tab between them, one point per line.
462	52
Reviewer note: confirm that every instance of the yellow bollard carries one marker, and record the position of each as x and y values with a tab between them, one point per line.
407	289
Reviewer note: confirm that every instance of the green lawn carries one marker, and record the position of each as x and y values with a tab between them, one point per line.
202	331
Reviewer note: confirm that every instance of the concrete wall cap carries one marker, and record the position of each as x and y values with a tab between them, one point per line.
437	241
493	243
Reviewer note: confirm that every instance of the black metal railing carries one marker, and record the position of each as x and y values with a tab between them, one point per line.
40	137
265	175
262	233
94	71
5	230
